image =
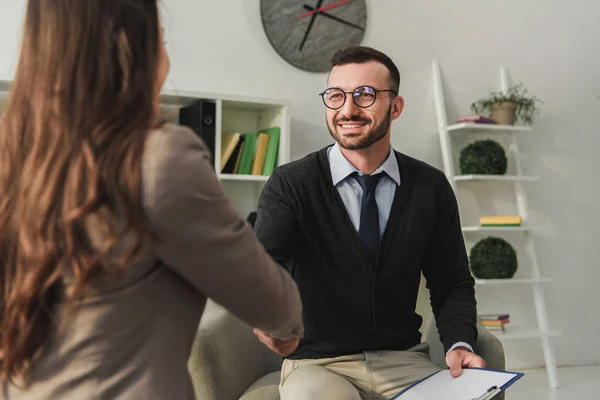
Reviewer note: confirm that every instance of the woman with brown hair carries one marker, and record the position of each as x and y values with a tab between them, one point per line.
114	230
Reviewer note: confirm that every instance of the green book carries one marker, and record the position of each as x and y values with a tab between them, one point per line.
272	150
248	153
499	225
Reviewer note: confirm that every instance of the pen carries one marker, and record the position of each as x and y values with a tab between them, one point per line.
491	392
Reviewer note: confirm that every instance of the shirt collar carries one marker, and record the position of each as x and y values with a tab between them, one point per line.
341	168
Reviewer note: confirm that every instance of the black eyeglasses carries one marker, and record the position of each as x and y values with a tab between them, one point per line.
363	96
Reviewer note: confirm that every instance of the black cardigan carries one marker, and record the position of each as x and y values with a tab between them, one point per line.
352	303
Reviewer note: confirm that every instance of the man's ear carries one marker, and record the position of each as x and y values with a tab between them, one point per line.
397	107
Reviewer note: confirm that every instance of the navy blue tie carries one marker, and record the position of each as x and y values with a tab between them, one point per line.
369	214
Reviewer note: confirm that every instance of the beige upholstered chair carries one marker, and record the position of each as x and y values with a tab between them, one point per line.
229	363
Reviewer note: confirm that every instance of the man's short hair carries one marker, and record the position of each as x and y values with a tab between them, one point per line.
363	54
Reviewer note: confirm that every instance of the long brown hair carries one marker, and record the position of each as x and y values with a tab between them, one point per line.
71	143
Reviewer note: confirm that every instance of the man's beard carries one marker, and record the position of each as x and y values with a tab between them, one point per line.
366	140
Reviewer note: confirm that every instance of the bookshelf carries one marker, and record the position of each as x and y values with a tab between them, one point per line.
233	114
452	138
237	114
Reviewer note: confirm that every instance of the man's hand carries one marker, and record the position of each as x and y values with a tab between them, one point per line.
279	346
460	357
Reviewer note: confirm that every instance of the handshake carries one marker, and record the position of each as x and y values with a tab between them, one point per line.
283	347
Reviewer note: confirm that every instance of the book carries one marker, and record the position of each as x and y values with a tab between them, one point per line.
494	316
230	165
259	156
508	220
497	322
248	154
478	119
473	383
236	167
228	144
272	150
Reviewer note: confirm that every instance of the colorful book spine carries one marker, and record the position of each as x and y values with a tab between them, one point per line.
229	143
495	323
272	150
248	153
261	151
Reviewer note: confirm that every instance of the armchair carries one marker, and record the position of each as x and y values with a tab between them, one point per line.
229	363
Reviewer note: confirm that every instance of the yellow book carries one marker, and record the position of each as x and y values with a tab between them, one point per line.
228	143
501	220
259	157
494	323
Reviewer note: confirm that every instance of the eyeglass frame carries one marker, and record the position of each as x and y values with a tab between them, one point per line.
322	95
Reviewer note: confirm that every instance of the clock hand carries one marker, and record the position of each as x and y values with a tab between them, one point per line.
333	17
324	8
310	25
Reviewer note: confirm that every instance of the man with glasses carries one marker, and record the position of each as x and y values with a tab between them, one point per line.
355	224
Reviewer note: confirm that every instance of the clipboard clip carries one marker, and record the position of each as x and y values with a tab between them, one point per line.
490	393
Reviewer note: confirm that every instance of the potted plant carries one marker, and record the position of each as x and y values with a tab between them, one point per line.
493	258
485	157
510	107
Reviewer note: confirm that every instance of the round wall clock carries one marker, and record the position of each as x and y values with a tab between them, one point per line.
306	33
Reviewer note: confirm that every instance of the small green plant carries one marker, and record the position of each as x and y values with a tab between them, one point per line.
526	106
493	258
485	157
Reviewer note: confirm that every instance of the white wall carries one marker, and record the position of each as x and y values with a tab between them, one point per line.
551	46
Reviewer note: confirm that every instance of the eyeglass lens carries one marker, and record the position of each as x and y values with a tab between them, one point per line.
363	96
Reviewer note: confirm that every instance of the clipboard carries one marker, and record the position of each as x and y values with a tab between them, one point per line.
473	384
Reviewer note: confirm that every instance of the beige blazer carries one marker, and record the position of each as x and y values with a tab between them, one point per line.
131	339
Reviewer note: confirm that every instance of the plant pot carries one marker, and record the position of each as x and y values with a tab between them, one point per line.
504	113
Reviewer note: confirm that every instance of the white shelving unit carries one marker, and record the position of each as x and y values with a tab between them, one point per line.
447	135
495	178
233	114
238	114
495	229
485	128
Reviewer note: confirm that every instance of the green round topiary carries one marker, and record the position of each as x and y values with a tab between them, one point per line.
484	157
493	258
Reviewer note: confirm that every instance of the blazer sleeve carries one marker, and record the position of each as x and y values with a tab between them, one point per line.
203	239
447	272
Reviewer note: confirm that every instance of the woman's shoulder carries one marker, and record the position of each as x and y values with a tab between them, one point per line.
170	137
174	158
173	146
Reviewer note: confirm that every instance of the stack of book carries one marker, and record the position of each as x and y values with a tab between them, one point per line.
495	322
251	153
476	119
507	220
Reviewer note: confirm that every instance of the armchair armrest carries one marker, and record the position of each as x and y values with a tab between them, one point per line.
488	347
226	357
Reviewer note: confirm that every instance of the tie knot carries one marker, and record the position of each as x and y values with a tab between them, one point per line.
367	182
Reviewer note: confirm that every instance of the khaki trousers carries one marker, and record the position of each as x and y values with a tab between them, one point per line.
369	375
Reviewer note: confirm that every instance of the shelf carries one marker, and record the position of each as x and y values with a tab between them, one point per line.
497	178
524	334
243	178
512	281
471	127
179	97
484	229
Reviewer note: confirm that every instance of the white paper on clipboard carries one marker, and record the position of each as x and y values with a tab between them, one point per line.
471	384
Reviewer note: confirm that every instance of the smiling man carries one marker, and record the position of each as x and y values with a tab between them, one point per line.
355	224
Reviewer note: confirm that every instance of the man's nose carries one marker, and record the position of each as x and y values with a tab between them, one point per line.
349	109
